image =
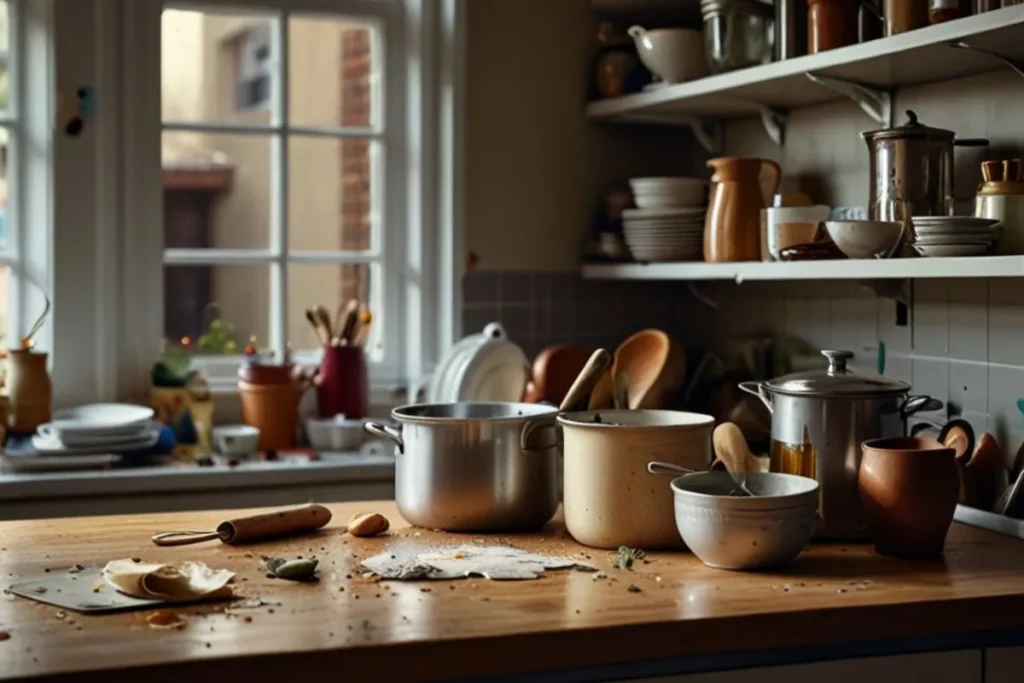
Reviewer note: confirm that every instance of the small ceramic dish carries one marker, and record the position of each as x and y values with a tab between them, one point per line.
335	433
237	441
866	239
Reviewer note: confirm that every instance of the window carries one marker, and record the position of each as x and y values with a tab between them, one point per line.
274	199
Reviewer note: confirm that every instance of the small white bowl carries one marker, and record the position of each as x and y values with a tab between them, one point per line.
334	433
675	55
236	440
865	239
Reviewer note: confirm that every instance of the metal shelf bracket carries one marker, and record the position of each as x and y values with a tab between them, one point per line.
895	290
707	131
876	103
964	45
774	122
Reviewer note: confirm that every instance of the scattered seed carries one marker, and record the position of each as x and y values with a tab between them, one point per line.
4	635
247	619
46	570
424	590
136	559
633	588
61	614
40	589
341	589
841	590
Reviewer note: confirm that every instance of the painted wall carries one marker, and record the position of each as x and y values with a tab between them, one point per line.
535	168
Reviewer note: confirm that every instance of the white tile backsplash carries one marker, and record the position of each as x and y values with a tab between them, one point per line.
964	341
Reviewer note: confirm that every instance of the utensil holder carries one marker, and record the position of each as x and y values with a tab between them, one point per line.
342	387
29	389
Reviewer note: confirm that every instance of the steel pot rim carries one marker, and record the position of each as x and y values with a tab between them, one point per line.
693	421
527	412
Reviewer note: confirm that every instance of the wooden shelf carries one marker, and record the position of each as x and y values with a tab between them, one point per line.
963	267
913	58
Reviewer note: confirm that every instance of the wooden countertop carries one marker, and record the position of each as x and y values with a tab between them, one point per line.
399	631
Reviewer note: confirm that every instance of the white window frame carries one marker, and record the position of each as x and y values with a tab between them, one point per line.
404	236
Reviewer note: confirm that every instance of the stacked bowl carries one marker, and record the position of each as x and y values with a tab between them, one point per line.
938	236
668	223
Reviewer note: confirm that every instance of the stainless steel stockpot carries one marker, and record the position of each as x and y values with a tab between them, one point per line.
820	418
475	466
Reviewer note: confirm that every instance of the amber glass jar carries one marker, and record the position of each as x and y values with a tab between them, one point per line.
832	24
940	11
904	15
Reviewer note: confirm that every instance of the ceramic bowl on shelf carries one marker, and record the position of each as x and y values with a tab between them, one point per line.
866	239
668	193
675	55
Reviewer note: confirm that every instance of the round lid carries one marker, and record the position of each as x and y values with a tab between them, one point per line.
913	130
836	380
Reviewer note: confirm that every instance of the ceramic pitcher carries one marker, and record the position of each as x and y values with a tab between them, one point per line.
29	390
732	228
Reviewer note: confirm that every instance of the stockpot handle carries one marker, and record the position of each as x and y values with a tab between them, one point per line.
388	433
667	469
919	404
757	389
531	431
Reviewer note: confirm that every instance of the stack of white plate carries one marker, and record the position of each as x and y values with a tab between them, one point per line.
668	193
664	234
938	236
99	428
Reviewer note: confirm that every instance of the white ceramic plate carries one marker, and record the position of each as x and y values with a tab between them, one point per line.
76	439
945	250
52	446
498	371
629	214
928	240
964	222
438	389
100	418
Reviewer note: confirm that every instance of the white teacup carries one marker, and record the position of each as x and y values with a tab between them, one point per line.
241	440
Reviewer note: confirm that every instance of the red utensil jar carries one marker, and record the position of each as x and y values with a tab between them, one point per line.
342	387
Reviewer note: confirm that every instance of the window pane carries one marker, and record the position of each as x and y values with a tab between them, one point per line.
332	72
216	66
5	200
216	191
329	193
5	289
331	285
217	307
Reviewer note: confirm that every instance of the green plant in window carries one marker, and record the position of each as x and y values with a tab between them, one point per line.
219	339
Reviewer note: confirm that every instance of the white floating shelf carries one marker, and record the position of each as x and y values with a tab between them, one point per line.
912	58
851	269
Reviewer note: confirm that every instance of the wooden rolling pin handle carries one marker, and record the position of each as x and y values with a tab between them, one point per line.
286	522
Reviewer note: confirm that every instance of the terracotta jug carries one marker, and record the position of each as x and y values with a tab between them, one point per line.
732	228
29	390
908	489
274	410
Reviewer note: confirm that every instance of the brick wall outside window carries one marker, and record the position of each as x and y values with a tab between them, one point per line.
354	156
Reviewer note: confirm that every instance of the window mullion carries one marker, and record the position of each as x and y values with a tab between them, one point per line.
279	190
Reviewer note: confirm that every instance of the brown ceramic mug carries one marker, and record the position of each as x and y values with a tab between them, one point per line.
908	489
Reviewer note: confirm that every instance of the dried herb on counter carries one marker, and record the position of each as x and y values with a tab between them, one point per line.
627	556
292	570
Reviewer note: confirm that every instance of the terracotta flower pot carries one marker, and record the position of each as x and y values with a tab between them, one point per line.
908	489
274	410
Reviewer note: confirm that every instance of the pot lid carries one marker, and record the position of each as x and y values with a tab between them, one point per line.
836	380
482	367
911	130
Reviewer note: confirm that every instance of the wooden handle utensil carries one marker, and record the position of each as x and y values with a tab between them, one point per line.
256	528
586	380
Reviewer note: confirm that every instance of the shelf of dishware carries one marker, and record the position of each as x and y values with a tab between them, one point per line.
912	58
845	269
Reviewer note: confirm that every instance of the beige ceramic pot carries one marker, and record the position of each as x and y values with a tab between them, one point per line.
610	499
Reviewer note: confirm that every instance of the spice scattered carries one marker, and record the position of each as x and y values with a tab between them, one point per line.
599	575
424	590
247	619
627	556
77	568
136	559
841	590
4	635
633	588
61	614
165	619
39	589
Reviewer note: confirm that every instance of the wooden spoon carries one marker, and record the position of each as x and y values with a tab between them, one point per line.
585	381
731	449
621	399
311	317
348	322
323	320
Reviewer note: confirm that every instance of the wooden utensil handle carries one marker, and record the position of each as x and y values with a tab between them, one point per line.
285	522
587	379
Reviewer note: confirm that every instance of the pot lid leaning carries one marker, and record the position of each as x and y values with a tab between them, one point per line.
837	381
911	130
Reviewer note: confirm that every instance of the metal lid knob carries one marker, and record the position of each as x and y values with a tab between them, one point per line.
837	360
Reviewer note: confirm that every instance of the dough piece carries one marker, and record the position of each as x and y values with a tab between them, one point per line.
187	581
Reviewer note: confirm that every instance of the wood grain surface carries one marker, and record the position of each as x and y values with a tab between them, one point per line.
346	626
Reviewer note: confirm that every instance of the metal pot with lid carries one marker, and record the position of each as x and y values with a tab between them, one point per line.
820	418
912	163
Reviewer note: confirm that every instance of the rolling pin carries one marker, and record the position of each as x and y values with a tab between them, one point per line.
256	528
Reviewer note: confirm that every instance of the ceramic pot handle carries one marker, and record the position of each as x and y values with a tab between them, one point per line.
776	173
539	435
384	432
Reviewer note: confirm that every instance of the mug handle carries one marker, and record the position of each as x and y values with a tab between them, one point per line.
528	435
388	433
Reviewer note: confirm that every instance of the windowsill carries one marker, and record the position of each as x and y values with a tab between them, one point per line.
333	468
